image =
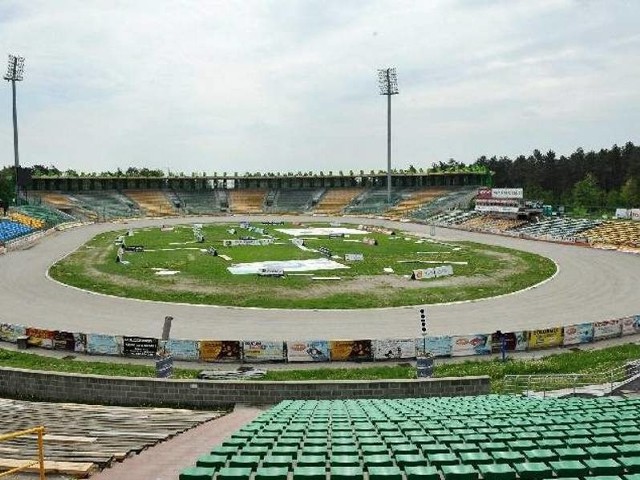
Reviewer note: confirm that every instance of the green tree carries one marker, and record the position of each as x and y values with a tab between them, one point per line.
630	193
7	185
586	193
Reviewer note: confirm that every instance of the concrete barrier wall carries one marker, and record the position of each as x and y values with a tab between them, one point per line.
66	387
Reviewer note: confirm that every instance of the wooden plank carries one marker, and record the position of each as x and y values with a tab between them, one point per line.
68	439
68	468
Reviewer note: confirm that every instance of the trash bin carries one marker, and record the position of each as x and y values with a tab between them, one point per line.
22	342
424	366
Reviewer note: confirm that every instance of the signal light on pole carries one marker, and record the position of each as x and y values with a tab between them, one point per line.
423	321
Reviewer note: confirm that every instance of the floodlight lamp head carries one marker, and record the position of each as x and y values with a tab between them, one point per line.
388	81
15	68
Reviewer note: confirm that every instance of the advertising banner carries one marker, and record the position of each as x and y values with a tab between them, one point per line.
607	329
350	350
80	343
181	349
394	349
64	341
10	333
308	351
98	344
465	345
623	213
435	346
507	193
262	351
630	325
497	208
139	346
634	213
545	338
576	334
513	342
220	351
39	337
354	257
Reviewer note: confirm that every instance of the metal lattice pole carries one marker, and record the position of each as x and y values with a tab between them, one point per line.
388	83
15	70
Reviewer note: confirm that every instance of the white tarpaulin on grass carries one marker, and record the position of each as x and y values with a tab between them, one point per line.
320	231
286	265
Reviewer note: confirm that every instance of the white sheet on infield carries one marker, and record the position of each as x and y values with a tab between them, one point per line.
320	231
286	265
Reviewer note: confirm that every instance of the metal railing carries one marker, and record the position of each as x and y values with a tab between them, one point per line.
597	383
40	461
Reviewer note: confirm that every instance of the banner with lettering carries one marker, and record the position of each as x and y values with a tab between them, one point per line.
80	342
99	344
435	346
513	342
139	346
181	349
40	337
308	351
10	332
64	341
607	329
577	334
545	338
394	349
220	351
262	351
630	325
465	345
350	350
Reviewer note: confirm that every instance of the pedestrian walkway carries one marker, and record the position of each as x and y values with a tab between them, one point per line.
165	460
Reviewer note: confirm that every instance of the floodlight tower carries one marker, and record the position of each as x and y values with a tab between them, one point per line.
388	83
15	70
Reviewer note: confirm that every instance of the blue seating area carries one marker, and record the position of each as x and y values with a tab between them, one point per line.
10	230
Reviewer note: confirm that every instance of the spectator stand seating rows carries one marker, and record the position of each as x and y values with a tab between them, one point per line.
458	438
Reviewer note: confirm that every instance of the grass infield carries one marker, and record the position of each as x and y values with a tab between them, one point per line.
480	271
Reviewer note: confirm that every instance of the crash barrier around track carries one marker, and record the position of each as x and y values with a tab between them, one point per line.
360	350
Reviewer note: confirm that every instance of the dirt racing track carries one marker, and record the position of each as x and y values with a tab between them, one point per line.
591	285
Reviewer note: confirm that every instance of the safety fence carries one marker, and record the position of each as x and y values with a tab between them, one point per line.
21	466
358	350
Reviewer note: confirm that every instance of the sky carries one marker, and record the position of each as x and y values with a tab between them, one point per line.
291	85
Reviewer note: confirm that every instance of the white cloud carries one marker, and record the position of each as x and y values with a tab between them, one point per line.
291	85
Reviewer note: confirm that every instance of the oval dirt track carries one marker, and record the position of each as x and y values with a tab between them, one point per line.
591	285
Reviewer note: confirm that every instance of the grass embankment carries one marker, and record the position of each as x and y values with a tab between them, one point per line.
579	362
480	271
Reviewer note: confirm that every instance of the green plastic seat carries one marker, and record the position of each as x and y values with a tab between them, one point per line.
632	476
459	448
211	461
314	441
475	458
572	453
197	473
234	473
553	443
344	461
224	451
533	470
435	448
602	452
421	440
522	445
494	447
288	441
629	450
459	472
421	473
440	459
261	451
569	468
284	451
448	439
309	473
385	473
508	456
235	442
271	461
497	471
344	449
606	440
312	461
370	441
240	461
631	464
404	449
410	460
377	461
272	473
263	442
604	466
343	441
374	449
541	455
579	442
346	473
